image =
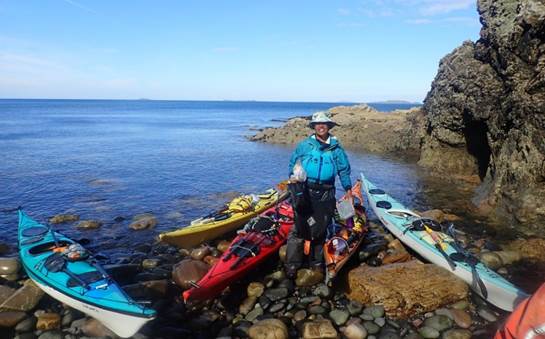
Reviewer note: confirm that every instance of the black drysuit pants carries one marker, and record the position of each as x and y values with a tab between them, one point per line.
311	223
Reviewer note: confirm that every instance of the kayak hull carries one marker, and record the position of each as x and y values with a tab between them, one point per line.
193	235
100	297
227	270
397	217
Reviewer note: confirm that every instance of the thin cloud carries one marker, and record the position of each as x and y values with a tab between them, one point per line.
444	6
80	6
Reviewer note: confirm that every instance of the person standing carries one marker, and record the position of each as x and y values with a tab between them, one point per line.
323	158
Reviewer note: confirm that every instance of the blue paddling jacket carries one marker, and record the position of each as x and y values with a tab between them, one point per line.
322	162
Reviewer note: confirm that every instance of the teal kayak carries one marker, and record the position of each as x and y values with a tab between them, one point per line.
68	273
439	246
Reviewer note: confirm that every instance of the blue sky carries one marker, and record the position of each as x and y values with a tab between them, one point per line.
358	51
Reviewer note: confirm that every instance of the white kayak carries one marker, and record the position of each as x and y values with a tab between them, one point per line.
441	248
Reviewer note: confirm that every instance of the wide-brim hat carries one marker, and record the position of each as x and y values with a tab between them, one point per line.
322	118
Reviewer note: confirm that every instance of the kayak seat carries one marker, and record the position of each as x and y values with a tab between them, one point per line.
88	278
48	246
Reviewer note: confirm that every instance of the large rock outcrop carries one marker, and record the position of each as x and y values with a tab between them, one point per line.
486	112
361	127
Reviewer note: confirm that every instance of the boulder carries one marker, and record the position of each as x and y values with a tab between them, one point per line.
143	221
9	266
405	289
200	252
24	299
308	277
63	218
11	318
268	329
89	224
94	328
187	271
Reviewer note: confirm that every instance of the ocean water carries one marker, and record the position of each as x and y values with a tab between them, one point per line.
105	159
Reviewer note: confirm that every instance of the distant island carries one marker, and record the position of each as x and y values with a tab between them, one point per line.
397	102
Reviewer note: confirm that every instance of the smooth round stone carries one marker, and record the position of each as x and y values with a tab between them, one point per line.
491	259
26	335
269	328
277	307
292	301
367	317
247	305
428	332
376	311
27	325
62	218
264	302
323	291
275	294
439	322
253	314
88	225
51	335
255	289
457	334
354	307
380	321
148	264
389	334
460	305
48	321
9	266
487	315
462	318
413	335
317	309
445	312
353	320
309	299
339	317
393	324
288	284
355	331
371	327
277	275
200	252
300	315
223	246
503	271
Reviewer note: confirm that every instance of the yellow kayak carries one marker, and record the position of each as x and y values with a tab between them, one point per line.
235	214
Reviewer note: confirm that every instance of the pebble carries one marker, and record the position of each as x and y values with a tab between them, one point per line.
247	305
389	334
487	315
354	307
223	246
307	277
317	309
62	218
48	321
339	316
355	331
268	328
428	332
275	294
9	265
255	289
380	321
300	315
51	335
264	302
11	318
438	322
365	316
148	264
322	328
462	318
323	291
89	224
27	325
29	335
277	307
253	314
376	311
200	252
457	334
460	305
371	327
445	312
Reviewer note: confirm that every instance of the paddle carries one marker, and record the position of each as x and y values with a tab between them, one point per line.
440	246
471	260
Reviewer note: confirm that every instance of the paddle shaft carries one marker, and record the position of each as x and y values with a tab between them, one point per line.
439	244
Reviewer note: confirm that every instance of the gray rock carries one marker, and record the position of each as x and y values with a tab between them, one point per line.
317	309
300	315
277	307
253	314
27	325
63	218
9	265
457	334
339	317
11	318
439	322
89	224
247	305
355	331
323	291
148	264
460	305
367	317
354	307
26	335
376	311
428	332
275	294
51	335
371	327
389	333
24	299
380	321
445	312
487	314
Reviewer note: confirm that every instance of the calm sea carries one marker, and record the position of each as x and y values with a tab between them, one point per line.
104	159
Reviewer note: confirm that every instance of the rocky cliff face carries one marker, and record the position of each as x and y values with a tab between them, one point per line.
486	111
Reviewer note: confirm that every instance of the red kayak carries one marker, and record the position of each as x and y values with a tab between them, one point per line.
261	238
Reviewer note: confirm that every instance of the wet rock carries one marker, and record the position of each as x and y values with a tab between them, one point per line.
9	265
24	299
282	253
532	249
51	335
339	317
143	221
264	302
11	318
405	289
413	335
439	322
396	253
148	264
319	329
491	259
63	218
461	318
460	305
253	314
268	329
210	260
487	314
389	333
355	331
368	317
48	321
29	335
323	291
94	328
27	325
457	334
317	309
187	271
428	332
375	311
380	321
288	284
277	275
277	307
255	289
89	224
223	246
5	292
200	252
300	315
445	312
307	277
371	327
354	307
247	305
275	294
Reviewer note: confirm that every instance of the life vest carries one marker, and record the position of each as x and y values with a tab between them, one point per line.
320	165
528	319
